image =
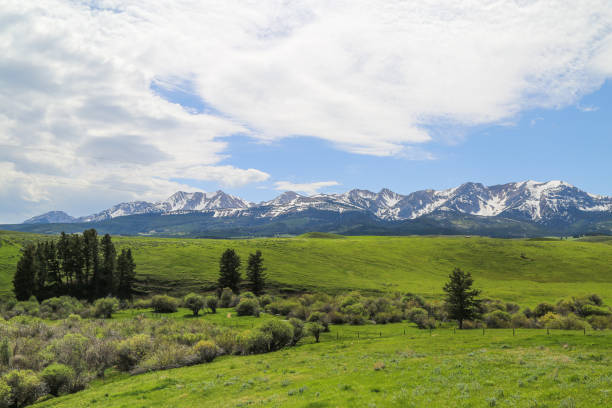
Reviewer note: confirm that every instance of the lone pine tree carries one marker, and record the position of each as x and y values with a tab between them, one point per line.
461	299
256	273
229	270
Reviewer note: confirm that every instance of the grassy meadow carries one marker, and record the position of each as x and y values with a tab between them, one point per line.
393	365
525	271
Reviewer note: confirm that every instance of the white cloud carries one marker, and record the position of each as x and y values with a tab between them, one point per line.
308	188
78	110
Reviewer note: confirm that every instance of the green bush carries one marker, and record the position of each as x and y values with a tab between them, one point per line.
166	356
26	387
211	303
298	330
569	322
497	319
247	295
105	307
60	307
58	377
253	342
315	329
265	300
320	318
5	394
281	332
282	307
248	307
194	302
592	310
206	350
142	304
542	309
600	322
70	350
131	351
164	304
226	298
417	314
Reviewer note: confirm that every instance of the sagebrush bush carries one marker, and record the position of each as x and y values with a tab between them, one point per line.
320	318
600	322
5	394
253	342
315	329
131	351
70	350
194	302
298	330
281	332
166	356
105	307
248	307
226	298
59	378
497	319
60	307
164	304
206	350
542	309
211	303
25	387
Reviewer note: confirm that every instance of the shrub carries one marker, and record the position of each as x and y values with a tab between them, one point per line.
472	324
569	322
206	350
70	350
5	352
265	300
131	351
542	309
248	307
105	307
253	342
194	303
315	329
497	319
592	310
298	330
60	307
164	304
600	322
417	314
520	320
247	295
26	387
226	298
100	355
167	356
58	377
336	317
281	332
321	318
595	299
5	394
142	304
211	303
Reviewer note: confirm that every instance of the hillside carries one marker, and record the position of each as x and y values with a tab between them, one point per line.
525	271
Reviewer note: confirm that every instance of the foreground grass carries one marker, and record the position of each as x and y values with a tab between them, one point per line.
524	271
418	369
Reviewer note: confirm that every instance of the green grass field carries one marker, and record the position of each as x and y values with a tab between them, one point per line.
524	271
415	369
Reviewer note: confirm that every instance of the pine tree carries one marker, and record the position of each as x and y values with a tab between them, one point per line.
256	273
229	270
460	297
91	257
25	275
42	266
54	277
106	282
125	274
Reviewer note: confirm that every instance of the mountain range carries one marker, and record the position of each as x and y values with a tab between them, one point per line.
524	208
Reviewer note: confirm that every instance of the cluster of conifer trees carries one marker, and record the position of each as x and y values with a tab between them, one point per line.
230	276
79	265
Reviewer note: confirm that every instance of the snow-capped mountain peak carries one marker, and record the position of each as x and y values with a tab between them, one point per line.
540	202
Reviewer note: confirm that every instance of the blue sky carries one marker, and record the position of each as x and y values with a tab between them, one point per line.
104	102
572	144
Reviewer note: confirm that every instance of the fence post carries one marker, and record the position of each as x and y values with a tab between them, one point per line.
337	335
548	331
454	330
483	331
404	331
584	329
430	331
357	334
380	334
513	331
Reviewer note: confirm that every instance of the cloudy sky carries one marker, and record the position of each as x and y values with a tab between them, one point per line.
109	101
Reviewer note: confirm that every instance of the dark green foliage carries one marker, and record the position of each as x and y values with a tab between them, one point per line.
126	273
298	330
164	304
461	299
226	298
256	274
26	387
211	303
543	308
58	377
25	275
229	270
280	332
72	266
194	302
5	352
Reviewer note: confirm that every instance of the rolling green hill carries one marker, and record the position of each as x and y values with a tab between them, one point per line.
524	271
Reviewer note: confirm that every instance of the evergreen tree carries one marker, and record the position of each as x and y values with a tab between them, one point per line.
125	274
229	270
106	282
460	297
54	277
41	265
91	259
256	273
25	275
73	266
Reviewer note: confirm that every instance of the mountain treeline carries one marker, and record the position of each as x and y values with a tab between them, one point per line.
80	265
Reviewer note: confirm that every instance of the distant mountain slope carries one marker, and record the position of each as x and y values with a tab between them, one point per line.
514	209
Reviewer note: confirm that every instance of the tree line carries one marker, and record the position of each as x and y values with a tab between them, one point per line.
80	265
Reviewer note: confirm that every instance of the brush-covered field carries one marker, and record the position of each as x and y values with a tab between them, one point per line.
393	365
526	271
